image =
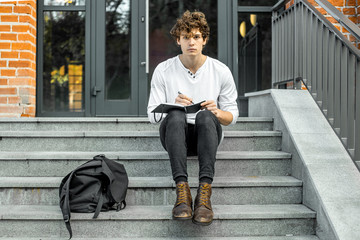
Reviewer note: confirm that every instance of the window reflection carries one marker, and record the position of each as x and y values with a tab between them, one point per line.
64	2
118	37
254	52
163	15
64	61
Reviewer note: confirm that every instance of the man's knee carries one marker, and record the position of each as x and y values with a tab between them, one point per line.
205	118
176	117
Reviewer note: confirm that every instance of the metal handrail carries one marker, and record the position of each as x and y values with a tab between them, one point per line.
328	24
307	48
338	16
278	5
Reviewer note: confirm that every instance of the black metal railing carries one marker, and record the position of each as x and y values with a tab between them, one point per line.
307	47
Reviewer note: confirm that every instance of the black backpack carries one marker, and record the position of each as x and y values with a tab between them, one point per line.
97	185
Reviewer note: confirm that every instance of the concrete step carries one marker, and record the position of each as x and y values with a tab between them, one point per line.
126	141
161	190
155	221
115	124
144	164
288	237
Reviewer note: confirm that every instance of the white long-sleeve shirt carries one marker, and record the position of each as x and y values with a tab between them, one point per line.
212	81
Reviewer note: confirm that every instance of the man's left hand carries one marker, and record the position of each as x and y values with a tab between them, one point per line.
211	106
224	117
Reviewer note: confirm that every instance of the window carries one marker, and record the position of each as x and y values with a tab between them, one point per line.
63	57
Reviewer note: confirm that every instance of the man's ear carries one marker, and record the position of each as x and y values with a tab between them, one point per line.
205	42
178	41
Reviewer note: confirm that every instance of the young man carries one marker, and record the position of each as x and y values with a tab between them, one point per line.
186	79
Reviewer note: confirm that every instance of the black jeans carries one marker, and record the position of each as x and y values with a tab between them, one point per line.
181	140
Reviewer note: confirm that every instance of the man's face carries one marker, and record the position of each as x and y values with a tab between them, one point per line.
191	43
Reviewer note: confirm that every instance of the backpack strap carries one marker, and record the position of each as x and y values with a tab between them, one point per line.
107	172
100	203
66	206
119	207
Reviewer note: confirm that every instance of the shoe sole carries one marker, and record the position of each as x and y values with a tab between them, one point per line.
202	223
181	218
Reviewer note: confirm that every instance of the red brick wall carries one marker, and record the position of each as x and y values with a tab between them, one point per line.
349	8
17	58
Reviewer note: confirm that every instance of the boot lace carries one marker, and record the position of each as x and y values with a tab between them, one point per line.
204	195
181	194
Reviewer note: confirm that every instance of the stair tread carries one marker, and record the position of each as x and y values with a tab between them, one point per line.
309	237
137	155
252	212
105	120
84	134
161	182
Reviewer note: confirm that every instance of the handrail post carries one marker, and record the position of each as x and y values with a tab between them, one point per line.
295	49
273	50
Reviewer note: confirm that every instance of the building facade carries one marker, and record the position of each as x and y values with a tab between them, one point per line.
95	58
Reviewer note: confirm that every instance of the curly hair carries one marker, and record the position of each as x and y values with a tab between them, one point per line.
190	21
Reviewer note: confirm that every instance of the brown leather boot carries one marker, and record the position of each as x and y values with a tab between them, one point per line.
203	214
183	206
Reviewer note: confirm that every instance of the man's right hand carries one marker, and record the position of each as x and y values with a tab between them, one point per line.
183	100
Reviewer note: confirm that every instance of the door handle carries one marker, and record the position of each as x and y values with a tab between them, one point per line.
95	90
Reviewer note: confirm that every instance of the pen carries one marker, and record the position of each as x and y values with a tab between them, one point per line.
181	93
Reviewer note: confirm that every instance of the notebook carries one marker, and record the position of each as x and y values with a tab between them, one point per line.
166	107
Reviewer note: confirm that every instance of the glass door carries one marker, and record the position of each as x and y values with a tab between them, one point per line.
91	58
119	59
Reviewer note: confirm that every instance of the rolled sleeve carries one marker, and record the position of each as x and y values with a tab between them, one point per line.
228	96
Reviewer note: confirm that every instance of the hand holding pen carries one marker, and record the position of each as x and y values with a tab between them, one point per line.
183	99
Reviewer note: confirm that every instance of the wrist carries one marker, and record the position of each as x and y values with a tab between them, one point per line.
224	117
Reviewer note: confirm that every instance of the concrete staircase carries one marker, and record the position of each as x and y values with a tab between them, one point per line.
254	195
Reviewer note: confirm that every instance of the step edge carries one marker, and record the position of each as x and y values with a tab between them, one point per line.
302	237
222	212
145	155
160	182
110	134
110	120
